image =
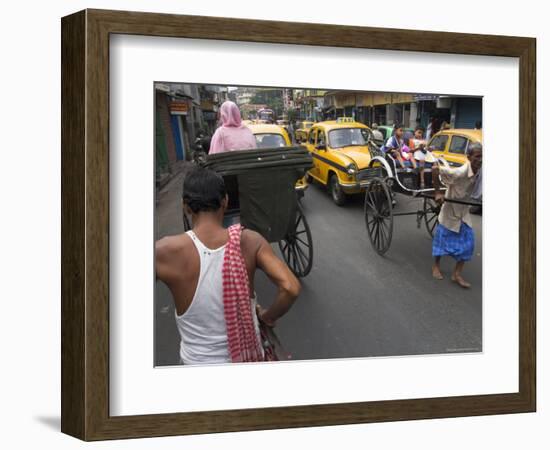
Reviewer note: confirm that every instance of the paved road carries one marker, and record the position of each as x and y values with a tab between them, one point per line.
355	303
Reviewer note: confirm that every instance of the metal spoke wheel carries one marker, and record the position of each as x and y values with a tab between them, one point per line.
431	213
297	246
379	215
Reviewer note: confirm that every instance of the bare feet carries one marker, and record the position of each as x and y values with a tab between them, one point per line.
436	273
461	281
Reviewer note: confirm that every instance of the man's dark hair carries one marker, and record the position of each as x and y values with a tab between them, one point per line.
420	128
203	190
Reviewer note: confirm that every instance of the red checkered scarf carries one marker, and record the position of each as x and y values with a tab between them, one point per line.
243	342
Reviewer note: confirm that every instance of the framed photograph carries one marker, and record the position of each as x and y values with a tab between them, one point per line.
272	225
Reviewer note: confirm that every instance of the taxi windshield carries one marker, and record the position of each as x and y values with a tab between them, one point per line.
346	137
269	140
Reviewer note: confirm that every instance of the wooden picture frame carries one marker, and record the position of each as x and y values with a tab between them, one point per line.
85	224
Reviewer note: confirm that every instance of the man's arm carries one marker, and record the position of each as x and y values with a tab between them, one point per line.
447	174
438	194
279	273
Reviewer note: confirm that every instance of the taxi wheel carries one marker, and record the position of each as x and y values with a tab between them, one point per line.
338	195
431	214
379	215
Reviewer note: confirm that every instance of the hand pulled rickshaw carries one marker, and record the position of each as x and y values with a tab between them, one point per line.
261	186
387	177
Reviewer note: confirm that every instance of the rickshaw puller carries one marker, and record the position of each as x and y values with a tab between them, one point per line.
210	273
454	235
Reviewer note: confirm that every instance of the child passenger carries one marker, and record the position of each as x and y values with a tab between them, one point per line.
396	147
422	155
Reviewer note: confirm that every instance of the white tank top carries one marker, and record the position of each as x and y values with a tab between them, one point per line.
202	327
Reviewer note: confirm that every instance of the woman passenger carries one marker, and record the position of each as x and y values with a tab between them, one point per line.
232	134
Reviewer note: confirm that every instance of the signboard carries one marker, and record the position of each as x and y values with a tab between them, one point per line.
179	107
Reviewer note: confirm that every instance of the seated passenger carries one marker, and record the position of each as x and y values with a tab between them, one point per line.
422	155
395	147
232	134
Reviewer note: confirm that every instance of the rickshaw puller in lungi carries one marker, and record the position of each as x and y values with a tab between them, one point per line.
454	235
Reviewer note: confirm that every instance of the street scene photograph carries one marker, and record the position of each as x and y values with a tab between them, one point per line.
300	224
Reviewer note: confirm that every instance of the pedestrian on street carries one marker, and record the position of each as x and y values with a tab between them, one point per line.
210	272
291	132
454	235
433	127
232	134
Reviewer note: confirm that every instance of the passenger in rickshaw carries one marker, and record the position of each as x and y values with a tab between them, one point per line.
210	273
233	134
422	155
396	148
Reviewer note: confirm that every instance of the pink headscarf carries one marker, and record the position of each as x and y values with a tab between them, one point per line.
230	114
233	134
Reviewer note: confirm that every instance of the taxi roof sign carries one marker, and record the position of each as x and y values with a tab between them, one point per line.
344	120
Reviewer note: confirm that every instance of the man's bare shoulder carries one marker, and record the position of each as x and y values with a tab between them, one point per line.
251	240
170	246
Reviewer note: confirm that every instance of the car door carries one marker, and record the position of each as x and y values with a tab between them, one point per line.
456	153
310	145
321	149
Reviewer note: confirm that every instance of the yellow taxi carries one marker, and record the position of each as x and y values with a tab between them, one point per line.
341	156
451	144
302	130
270	136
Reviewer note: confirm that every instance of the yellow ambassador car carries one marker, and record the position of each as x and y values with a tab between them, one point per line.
341	156
269	136
302	130
451	144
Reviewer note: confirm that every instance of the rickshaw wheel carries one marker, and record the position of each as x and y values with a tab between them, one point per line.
379	215
297	246
186	223
431	214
